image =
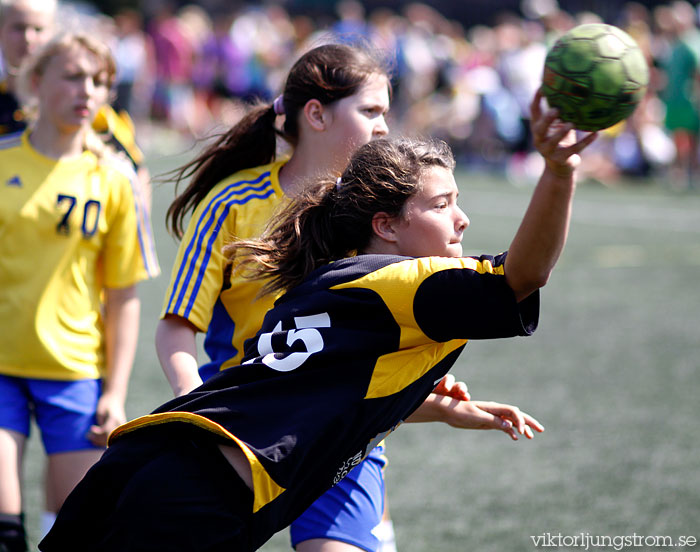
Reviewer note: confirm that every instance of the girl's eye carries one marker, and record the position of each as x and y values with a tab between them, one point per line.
75	75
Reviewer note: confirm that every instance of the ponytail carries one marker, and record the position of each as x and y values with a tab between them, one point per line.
332	219
327	73
250	143
293	247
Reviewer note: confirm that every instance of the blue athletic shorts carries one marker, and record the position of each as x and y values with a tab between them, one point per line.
350	510
64	410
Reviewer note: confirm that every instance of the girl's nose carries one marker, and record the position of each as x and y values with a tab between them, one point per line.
381	129
462	220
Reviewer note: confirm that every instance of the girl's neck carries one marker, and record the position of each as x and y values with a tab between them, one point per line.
51	142
305	164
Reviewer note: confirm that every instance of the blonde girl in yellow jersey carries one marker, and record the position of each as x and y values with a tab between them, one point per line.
75	240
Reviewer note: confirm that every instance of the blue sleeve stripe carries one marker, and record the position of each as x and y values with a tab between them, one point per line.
221	201
149	247
197	237
144	232
212	238
11	140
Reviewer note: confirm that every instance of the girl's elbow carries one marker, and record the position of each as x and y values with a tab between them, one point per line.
541	279
527	287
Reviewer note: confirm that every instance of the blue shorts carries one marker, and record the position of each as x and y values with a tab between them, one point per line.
350	510
64	410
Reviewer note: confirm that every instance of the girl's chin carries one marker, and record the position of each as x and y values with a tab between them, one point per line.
455	250
77	124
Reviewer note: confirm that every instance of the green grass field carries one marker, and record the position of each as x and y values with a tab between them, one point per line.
613	373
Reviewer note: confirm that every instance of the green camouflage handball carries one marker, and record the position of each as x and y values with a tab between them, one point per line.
595	75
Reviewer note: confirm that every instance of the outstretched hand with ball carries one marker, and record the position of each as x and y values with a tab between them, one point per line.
555	139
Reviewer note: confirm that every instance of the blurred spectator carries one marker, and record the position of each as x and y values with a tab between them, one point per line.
257	36
133	53
470	85
219	72
173	63
24	27
351	23
680	93
521	54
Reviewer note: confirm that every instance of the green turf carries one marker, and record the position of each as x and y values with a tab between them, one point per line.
612	373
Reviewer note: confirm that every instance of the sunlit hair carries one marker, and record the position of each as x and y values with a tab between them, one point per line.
45	6
332	219
35	66
327	73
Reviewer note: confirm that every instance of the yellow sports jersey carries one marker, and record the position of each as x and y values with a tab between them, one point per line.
201	290
68	229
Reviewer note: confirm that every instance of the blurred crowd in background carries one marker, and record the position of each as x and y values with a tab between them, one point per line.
195	70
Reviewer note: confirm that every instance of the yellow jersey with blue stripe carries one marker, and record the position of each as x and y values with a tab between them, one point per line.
68	228
202	290
340	361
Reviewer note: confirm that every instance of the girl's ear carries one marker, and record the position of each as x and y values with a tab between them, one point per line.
316	115
384	227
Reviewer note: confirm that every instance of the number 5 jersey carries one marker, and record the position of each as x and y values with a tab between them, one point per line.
340	361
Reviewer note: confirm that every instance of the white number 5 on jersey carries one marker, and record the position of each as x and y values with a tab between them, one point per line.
306	332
